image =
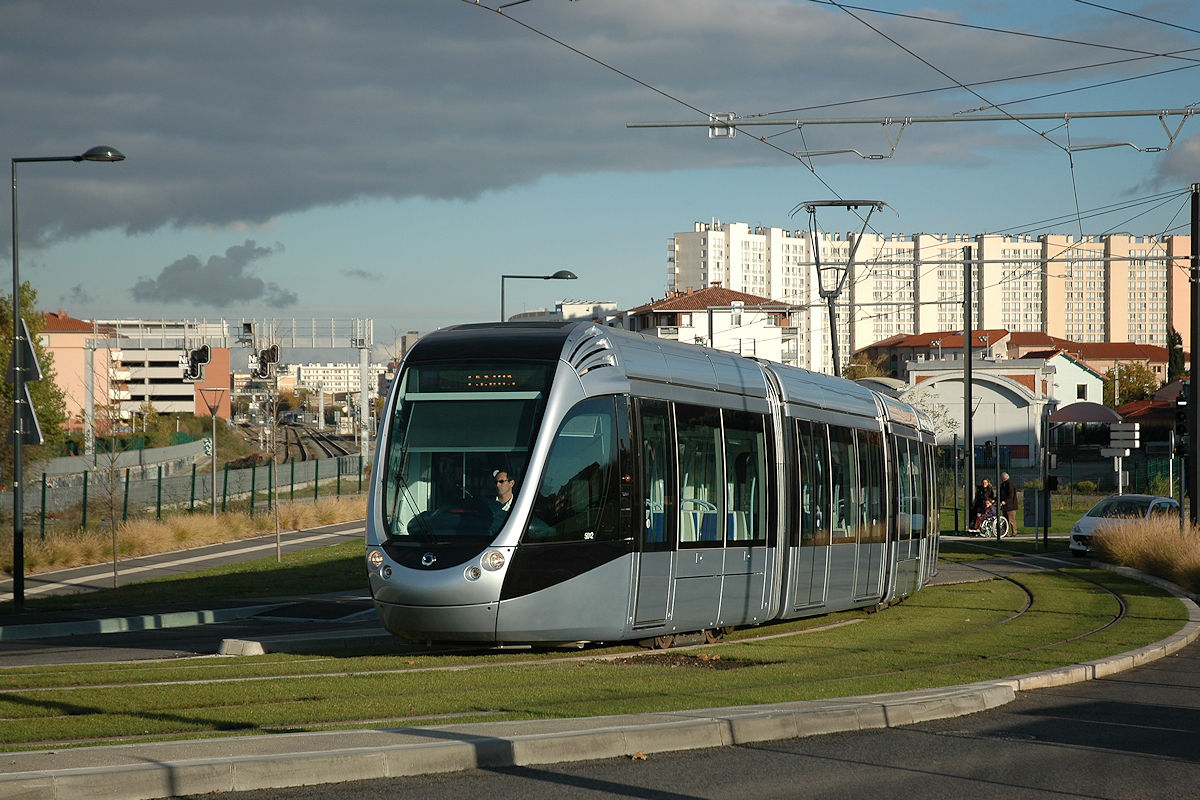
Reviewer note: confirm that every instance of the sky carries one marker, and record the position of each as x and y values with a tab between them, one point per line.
391	160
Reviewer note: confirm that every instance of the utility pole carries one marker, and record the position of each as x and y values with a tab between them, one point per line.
968	428
1191	462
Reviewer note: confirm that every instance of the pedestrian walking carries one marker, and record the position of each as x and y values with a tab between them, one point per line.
1008	502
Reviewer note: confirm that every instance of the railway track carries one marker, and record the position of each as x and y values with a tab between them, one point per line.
300	443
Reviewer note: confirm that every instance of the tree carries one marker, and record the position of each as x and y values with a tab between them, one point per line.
1133	381
863	367
49	403
943	422
1175	365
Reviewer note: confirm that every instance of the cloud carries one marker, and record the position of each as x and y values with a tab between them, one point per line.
242	112
76	295
1181	161
363	274
221	281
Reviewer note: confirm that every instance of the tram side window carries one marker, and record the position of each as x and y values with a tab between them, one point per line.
700	495
578	497
920	490
842	469
657	456
870	454
820	483
806	515
904	488
746	462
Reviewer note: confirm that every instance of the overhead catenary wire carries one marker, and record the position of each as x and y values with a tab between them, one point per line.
1005	115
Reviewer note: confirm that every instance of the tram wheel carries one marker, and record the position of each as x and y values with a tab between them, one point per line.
714	635
664	642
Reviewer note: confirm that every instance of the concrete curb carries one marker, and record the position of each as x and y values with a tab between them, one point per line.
145	622
164	769
154	770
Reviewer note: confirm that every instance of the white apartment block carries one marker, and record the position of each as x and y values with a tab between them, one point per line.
1113	287
334	379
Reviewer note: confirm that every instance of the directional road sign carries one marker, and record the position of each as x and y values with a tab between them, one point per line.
1124	434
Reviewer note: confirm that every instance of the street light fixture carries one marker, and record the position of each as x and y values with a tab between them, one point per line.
20	346
561	275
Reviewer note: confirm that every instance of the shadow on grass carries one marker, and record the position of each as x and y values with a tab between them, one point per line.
311	572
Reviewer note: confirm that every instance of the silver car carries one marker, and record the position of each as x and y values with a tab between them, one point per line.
1116	507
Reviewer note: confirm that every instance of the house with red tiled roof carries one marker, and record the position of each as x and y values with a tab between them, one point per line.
896	351
1099	357
722	318
1103	356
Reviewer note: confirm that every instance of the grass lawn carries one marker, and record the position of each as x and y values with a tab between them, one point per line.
943	635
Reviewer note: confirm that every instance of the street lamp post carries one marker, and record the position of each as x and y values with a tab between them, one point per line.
20	414
561	275
212	399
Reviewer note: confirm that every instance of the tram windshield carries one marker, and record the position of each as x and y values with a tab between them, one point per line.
458	447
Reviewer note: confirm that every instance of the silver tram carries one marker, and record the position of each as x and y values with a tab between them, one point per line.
661	489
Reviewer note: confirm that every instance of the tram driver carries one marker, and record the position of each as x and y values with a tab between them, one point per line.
502	504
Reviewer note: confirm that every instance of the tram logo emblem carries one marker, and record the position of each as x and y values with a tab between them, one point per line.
428	560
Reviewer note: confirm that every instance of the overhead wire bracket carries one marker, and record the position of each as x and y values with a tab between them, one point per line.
865	156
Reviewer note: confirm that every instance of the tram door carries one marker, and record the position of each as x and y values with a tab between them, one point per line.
812	557
871	528
657	528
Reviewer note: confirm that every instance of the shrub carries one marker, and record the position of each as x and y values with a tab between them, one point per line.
1158	547
1159	485
1085	487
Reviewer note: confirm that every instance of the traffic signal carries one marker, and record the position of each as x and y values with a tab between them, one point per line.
267	358
1181	426
193	370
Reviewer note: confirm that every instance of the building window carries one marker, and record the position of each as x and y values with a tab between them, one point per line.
1081	391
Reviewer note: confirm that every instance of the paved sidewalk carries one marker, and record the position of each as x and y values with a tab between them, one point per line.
164	769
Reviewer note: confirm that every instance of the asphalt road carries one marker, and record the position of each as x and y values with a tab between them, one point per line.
1132	735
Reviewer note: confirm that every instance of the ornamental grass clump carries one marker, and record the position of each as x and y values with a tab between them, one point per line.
1157	547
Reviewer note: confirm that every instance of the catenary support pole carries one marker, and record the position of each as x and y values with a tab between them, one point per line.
1192	462
968	428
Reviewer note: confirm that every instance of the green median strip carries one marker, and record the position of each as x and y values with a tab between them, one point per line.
944	635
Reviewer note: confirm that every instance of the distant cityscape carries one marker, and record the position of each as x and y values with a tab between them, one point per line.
732	286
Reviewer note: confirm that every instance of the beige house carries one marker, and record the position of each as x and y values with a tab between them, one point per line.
64	338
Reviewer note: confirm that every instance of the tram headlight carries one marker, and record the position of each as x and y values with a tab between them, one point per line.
375	558
472	573
492	560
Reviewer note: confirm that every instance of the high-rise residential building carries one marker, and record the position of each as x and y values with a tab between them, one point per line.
1094	288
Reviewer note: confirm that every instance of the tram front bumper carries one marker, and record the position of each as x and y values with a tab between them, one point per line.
467	623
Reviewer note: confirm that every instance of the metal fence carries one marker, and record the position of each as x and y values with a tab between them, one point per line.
115	490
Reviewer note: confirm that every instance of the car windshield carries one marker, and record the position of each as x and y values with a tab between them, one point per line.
458	429
1120	507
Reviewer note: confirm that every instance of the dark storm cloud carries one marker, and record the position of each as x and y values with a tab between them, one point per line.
76	295
220	282
240	112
